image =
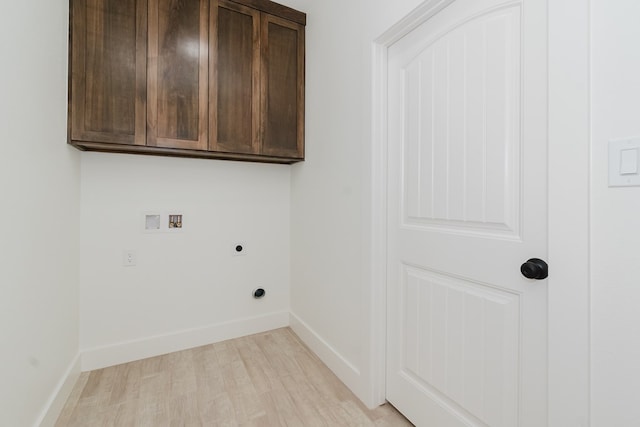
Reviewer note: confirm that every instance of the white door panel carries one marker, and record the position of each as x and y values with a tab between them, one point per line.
462	127
467	206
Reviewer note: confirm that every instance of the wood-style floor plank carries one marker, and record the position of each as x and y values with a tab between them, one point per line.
264	380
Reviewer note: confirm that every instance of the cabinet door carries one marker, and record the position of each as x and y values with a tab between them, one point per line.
234	78
282	88
178	74
108	71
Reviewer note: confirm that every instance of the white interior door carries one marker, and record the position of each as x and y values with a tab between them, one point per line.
467	203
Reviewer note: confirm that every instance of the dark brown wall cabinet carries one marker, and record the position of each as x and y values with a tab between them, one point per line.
192	78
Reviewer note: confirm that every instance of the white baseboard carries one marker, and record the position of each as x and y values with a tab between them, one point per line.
124	352
60	395
345	370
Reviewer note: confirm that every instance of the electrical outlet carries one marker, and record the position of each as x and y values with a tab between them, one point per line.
129	258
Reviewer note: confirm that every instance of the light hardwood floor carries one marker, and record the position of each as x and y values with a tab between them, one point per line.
268	379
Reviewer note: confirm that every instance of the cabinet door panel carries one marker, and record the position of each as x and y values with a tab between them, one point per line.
282	90
108	63
235	78
178	73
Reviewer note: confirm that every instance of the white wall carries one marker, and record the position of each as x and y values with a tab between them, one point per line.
615	217
330	191
189	282
188	288
39	211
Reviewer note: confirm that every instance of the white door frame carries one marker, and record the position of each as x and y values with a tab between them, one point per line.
569	203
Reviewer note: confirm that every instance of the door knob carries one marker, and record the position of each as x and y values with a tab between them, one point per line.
535	269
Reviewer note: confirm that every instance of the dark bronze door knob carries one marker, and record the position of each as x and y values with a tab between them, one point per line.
535	269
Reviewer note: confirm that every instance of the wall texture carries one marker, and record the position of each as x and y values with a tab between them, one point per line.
330	191
39	196
306	220
615	213
188	288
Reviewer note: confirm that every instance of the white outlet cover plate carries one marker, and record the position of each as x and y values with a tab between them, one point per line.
129	258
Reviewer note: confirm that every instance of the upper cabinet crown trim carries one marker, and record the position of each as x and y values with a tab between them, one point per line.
276	10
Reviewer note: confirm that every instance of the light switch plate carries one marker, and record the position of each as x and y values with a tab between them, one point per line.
624	162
